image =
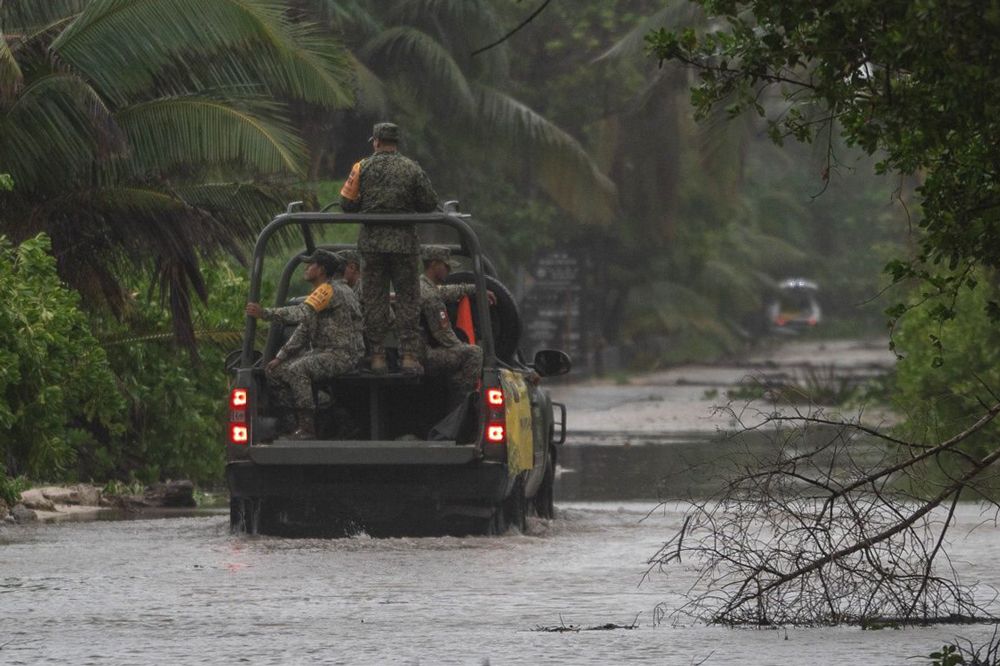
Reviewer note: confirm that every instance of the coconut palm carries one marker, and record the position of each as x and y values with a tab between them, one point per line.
147	135
414	58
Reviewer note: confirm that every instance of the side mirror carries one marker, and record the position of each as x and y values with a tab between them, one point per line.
552	362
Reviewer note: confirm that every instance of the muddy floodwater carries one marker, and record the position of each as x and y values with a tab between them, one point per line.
183	590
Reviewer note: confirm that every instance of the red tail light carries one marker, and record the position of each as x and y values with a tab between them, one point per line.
496	432
239	402
239	433
494	397
238	399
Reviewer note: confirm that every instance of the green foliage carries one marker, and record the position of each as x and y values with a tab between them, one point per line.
55	386
176	403
950	369
144	136
910	82
948	655
6	182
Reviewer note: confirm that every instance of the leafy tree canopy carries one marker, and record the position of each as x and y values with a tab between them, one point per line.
910	81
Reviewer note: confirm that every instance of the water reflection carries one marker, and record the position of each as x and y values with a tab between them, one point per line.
649	466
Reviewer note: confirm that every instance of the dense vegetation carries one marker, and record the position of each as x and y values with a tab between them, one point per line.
911	84
150	141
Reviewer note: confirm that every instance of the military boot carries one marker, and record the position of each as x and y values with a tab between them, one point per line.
307	425
379	366
409	365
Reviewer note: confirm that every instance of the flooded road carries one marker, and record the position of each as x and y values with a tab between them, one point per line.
185	591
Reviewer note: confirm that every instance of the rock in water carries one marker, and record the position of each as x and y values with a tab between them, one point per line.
171	494
88	495
23	514
34	499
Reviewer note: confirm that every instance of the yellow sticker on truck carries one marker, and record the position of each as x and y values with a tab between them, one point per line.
520	435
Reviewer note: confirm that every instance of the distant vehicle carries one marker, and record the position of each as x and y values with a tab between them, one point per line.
389	457
795	308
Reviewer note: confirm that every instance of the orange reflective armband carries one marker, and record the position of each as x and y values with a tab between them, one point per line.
320	297
352	186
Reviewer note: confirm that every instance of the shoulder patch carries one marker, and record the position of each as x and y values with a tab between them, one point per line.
320	297
352	186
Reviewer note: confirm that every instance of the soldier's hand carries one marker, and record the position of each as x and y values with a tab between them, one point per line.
254	310
272	364
491	297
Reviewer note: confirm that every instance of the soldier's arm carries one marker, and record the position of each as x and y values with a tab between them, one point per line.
320	298
438	324
350	193
453	293
295	343
425	199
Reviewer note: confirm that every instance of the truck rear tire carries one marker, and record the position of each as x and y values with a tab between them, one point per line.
545	498
515	507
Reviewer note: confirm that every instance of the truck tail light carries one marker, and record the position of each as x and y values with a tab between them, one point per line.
239	430
238	433
494	397
238	399
496	433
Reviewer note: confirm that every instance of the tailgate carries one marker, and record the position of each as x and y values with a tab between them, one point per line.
322	452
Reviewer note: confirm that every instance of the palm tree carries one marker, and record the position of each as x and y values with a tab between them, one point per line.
415	59
147	135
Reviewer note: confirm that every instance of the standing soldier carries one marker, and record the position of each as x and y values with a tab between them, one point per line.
443	352
327	341
387	182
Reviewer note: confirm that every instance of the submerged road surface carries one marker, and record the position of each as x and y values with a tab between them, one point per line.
186	591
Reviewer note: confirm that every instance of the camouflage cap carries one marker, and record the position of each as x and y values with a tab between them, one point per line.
330	262
385	132
349	257
430	253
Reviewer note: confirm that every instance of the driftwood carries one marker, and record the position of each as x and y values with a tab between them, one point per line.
573	628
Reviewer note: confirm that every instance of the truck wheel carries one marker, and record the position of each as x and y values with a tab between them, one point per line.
545	499
515	507
244	515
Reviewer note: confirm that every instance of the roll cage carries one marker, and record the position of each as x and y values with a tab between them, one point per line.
469	247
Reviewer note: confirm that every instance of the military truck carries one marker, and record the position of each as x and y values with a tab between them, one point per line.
390	455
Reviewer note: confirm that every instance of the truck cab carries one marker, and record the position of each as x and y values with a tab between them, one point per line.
392	455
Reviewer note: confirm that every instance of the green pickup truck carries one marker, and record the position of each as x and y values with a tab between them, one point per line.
390	456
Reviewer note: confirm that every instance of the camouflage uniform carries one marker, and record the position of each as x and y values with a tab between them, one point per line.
351	256
442	352
326	343
388	182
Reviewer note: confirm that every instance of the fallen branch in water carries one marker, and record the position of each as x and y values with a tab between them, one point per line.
610	626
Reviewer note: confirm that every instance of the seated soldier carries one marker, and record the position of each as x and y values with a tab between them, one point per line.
442	353
352	270
327	341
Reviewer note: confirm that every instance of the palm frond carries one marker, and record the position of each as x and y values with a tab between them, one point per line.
371	97
354	21
564	169
28	16
462	26
128	46
404	50
10	72
99	235
54	131
165	133
243	208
